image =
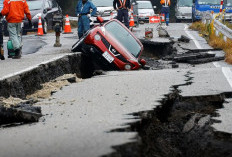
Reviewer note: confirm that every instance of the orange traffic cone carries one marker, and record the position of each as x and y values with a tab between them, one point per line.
67	27
132	22
40	27
162	18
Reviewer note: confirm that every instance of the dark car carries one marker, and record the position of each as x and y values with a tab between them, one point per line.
3	20
112	46
44	8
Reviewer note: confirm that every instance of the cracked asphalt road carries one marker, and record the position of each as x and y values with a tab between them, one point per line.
78	118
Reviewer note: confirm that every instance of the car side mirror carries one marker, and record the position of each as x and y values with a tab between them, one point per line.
142	62
100	19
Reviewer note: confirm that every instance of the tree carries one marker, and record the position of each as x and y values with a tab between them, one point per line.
68	6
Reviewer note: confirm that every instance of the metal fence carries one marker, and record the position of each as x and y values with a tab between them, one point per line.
207	17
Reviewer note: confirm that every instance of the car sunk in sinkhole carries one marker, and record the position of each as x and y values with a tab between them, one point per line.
112	46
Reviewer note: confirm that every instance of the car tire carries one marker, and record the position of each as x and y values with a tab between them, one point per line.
45	27
193	18
178	21
86	66
24	32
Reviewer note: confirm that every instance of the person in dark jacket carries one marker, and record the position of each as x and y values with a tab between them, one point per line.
83	13
166	9
122	7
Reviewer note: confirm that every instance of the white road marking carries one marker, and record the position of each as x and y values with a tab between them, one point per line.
216	64
225	70
192	37
31	68
228	74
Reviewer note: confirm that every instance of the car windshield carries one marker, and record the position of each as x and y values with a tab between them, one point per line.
35	5
144	5
229	3
185	3
209	2
102	3
124	37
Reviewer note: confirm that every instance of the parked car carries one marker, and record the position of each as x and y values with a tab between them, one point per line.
104	9
183	10
4	23
110	49
145	9
44	8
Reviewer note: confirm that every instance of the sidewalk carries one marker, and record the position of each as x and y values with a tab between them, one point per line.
48	53
19	77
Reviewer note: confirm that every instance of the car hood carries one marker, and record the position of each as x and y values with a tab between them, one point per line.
185	10
146	11
33	13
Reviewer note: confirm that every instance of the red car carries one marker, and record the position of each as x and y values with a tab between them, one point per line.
112	46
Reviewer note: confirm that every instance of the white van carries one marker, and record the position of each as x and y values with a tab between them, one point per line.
104	9
145	9
183	10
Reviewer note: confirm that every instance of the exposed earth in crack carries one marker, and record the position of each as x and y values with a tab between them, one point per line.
180	126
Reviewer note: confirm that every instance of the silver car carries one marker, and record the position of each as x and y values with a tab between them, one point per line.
145	9
104	9
183	10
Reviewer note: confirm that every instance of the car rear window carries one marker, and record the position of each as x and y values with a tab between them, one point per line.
124	37
102	3
35	5
144	5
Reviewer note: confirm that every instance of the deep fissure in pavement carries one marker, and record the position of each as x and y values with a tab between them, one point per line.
180	126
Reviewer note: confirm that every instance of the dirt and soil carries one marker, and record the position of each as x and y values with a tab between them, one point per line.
179	127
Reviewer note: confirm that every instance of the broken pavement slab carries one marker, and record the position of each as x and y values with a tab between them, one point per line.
20	113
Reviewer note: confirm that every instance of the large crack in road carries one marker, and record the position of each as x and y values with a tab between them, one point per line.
180	126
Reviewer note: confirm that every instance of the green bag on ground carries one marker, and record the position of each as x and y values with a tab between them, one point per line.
10	48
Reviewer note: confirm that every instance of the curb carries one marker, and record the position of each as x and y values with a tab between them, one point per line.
27	82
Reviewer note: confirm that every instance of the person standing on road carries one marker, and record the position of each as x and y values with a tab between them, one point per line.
165	9
83	13
14	11
123	6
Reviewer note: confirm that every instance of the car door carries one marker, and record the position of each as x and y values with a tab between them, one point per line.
48	13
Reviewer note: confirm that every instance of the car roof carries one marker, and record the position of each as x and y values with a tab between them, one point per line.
143	1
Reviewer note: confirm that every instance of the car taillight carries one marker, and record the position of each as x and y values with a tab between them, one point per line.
127	67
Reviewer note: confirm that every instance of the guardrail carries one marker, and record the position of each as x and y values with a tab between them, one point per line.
223	29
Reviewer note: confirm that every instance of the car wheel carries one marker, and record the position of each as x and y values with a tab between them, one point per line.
86	66
193	18
45	27
24	32
178	20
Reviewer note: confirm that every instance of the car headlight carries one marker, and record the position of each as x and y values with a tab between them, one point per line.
128	67
97	37
37	16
